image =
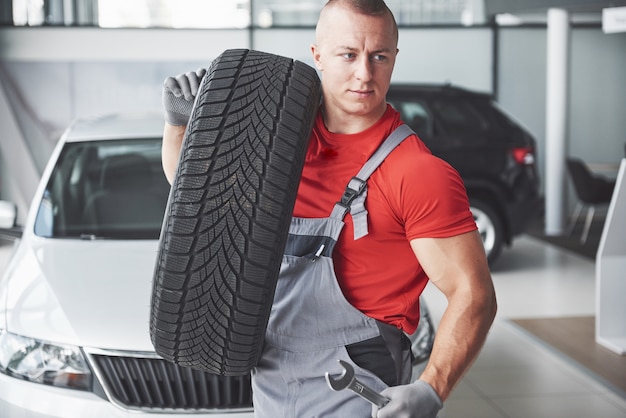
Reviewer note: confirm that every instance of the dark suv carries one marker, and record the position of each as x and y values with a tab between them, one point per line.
494	155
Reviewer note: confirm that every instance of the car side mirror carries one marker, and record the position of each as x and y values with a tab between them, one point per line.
8	219
8	214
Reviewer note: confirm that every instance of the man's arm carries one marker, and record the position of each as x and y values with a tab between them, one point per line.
170	149
179	94
458	267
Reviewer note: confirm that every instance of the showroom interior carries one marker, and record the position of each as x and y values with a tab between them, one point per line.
556	66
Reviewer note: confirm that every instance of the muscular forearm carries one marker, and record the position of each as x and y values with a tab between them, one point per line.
170	150
460	336
461	333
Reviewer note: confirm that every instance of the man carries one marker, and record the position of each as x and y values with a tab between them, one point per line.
354	302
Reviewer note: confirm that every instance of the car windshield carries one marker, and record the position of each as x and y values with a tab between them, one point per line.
112	189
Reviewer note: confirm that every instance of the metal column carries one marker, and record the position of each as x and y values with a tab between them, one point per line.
556	118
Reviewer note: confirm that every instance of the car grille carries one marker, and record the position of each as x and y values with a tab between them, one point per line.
153	383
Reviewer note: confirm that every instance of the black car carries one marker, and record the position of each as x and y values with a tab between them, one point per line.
495	156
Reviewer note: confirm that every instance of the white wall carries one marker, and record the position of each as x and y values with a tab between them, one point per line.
461	56
53	75
597	91
598	102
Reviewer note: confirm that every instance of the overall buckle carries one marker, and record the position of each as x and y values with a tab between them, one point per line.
355	187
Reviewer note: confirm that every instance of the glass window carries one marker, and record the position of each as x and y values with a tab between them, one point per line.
105	189
498	119
214	14
431	12
134	13
416	116
28	12
174	13
459	116
268	13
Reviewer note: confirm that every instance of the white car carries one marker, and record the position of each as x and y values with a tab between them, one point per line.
75	296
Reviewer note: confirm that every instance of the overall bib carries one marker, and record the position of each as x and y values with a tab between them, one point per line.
312	325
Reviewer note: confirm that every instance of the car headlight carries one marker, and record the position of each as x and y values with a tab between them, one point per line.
43	362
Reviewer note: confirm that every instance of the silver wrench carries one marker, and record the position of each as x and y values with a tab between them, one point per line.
347	380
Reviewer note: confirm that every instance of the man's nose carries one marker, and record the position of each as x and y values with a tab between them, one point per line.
364	69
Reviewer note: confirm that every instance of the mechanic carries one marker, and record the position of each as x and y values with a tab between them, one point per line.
361	295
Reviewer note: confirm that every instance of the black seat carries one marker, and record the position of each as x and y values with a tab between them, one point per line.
127	200
591	189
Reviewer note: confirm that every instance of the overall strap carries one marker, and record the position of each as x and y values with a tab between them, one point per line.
353	199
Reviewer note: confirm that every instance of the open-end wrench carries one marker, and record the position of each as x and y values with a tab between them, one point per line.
347	380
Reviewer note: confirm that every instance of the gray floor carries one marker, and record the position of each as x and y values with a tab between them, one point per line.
516	375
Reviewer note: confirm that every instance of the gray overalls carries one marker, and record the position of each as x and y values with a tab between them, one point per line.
312	325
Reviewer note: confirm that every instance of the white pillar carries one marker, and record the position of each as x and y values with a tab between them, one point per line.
556	119
21	173
68	13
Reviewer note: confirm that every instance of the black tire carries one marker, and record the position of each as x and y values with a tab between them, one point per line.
490	228
229	211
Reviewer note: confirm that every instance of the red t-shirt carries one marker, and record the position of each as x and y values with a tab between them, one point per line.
412	194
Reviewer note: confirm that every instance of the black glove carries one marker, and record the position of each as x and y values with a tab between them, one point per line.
415	400
179	94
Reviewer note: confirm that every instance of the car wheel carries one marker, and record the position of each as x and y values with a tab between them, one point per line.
489	227
228	214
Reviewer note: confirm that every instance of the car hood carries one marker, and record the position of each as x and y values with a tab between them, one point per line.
87	293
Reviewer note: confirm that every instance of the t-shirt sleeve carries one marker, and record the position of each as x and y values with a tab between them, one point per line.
432	199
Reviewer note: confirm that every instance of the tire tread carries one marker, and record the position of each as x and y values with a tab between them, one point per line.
228	214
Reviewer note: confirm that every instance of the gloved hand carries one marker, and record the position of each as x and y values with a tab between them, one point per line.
179	94
415	400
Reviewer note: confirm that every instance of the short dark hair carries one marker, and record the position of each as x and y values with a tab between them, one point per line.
367	7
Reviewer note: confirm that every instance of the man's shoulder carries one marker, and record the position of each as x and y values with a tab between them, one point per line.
413	159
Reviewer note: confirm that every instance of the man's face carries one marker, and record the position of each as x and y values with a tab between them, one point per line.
356	54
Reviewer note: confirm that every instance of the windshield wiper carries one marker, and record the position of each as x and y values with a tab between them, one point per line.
89	237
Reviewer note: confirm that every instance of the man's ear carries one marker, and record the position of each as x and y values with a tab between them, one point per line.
316	57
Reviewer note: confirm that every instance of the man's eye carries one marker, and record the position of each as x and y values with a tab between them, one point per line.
380	58
349	55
